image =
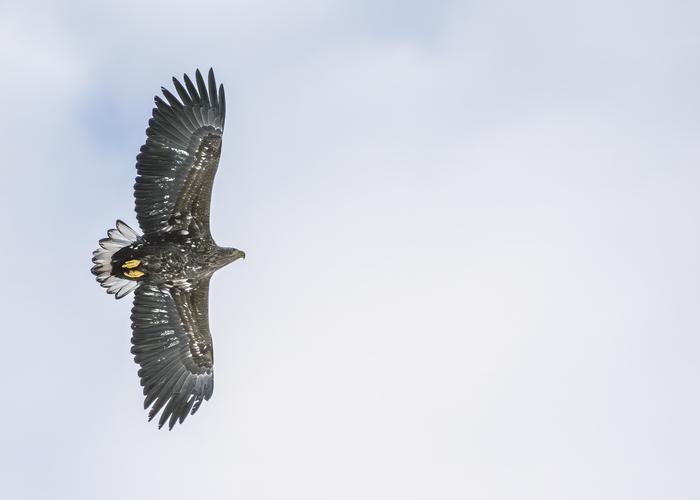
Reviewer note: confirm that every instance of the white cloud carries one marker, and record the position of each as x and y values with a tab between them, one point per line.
471	251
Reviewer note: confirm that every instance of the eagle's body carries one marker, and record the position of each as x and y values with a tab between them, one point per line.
174	259
170	265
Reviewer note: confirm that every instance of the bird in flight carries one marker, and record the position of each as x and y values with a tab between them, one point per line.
169	267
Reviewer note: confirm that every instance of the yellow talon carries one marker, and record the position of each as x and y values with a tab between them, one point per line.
133	273
130	264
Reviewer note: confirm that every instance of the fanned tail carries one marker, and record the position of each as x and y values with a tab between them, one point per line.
122	236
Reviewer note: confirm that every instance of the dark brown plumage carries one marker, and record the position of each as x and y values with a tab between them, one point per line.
170	265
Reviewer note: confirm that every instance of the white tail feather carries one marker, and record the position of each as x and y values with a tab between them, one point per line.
118	238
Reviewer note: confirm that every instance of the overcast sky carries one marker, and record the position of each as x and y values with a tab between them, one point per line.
472	240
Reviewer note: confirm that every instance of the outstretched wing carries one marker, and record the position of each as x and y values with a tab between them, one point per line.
172	343
177	165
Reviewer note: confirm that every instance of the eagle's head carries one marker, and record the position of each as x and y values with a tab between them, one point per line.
227	255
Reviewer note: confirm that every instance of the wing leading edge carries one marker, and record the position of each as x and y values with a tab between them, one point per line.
172	344
178	162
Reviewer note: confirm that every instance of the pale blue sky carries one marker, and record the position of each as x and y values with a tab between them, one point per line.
472	239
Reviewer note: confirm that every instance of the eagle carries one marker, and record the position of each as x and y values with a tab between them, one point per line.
169	266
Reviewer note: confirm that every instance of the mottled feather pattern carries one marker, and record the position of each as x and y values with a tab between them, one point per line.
163	344
181	155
